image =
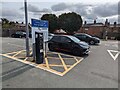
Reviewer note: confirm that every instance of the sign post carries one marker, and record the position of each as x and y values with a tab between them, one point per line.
41	27
27	31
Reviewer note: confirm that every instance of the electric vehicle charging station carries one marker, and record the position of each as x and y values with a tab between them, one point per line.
39	39
57	63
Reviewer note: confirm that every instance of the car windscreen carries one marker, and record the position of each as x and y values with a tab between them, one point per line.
88	35
74	39
55	38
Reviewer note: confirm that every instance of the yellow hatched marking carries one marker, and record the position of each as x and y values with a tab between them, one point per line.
26	58
58	57
53	57
17	53
76	59
49	70
33	64
71	67
46	66
61	54
65	67
46	61
13	52
54	65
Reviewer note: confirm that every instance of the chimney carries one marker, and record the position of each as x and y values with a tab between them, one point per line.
115	23
106	22
85	22
94	21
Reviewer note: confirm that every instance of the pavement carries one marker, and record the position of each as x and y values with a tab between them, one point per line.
98	70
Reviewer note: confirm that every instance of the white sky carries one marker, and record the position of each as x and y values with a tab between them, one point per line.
6	5
83	1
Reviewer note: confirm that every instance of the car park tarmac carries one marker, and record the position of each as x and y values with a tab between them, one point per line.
97	70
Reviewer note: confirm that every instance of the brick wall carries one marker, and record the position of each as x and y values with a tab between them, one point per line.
93	30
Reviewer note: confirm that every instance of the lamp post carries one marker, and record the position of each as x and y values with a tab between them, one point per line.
27	31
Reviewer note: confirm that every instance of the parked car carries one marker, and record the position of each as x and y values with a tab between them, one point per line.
19	34
69	44
50	35
87	38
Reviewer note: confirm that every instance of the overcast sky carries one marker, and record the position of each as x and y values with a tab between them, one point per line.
88	9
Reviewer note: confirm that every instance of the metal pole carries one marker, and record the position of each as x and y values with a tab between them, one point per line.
27	31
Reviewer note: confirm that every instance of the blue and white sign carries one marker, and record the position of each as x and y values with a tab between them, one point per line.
39	23
39	26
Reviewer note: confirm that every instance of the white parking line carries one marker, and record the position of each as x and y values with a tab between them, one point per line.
16	45
113	45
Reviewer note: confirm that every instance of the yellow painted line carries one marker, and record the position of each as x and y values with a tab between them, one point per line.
13	52
30	52
76	59
17	59
71	67
46	61
62	54
26	58
16	53
34	65
67	55
20	56
65	67
58	57
53	57
55	65
68	58
49	70
46	66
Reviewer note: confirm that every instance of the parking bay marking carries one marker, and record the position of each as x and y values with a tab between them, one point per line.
114	56
113	45
16	45
67	67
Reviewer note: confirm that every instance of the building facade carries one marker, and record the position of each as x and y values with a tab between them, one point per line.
101	30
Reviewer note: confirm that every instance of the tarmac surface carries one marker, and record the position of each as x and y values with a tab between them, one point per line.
97	70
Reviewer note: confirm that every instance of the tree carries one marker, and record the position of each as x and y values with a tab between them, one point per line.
70	22
53	21
16	22
12	23
4	21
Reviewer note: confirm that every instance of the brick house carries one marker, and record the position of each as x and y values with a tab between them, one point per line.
7	32
101	30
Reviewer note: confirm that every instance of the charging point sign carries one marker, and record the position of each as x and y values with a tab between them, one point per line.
39	26
39	37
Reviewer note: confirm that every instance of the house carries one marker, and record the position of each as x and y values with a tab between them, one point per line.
7	32
101	30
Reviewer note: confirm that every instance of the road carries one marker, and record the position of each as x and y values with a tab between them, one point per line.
98	70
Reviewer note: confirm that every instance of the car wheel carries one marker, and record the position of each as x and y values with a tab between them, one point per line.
51	48
76	51
92	42
12	36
